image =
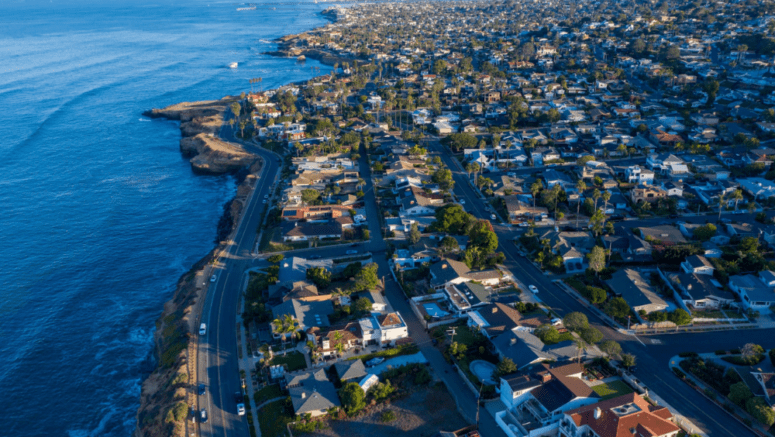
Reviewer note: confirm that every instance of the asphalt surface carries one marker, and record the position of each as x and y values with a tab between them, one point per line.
652	353
217	358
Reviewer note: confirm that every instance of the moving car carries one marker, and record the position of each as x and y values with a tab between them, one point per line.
351	252
241	409
493	217
533	288
203	415
202	329
202	389
314	257
238	398
374	361
266	196
462	201
213	278
264	201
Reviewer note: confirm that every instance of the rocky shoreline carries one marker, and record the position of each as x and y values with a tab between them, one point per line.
200	123
166	392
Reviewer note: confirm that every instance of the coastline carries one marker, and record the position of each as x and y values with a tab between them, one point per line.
164	398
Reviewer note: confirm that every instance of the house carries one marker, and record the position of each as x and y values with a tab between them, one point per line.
623	416
311	393
636	290
647	193
760	188
350	370
635	174
753	293
378	303
697	264
497	318
305	231
467	295
333	339
392	328
700	291
572	246
320	212
307	314
520	211
548	393
449	271
524	348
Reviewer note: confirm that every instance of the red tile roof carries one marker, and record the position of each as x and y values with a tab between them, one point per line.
625	416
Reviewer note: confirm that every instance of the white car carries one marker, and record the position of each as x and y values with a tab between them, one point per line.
213	278
241	409
462	201
493	217
556	321
533	288
202	329
264	201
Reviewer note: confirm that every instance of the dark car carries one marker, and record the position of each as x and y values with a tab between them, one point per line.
238	398
201	389
673	216
616	218
314	257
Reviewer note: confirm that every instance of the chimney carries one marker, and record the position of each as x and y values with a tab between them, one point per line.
546	377
494	310
513	341
689	287
444	266
303	395
598	413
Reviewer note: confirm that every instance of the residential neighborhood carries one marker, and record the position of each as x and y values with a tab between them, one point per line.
519	206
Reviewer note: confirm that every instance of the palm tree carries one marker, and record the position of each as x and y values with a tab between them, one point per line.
737	196
286	325
606	198
581	186
338	344
535	189
596	195
361	183
721	200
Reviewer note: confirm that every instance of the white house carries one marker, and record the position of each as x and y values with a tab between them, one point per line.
635	174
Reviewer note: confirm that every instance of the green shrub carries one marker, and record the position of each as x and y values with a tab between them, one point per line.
740	361
387	416
720	352
688	355
679	373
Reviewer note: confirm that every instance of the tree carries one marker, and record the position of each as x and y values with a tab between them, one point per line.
472	168
581	186
628	360
739	393
591	335
458	142
575	321
704	232
310	196
448	244
596	295
236	109
287	326
443	177
611	348
451	218
680	317
414	233
638	46
547	334
759	409
483	237
721	200
536	188
617	307
737	196
352	398
274	259
367	278
319	276
596	259
750	351
505	367
360	306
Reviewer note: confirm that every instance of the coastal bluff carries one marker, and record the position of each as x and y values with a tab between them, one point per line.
200	123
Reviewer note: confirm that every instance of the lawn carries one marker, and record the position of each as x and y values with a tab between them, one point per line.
612	389
274	417
293	360
271	244
267	393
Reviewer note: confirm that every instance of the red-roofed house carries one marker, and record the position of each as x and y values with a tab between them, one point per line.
624	416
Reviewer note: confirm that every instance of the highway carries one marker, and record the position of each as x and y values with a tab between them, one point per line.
652	352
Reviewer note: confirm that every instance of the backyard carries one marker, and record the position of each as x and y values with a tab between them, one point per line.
421	413
269	392
274	417
612	389
292	360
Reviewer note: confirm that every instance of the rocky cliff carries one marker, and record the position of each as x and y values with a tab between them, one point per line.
200	123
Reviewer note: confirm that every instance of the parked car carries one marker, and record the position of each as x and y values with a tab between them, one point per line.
203	415
238	398
616	218
375	361
202	389
213	278
314	257
241	409
202	329
462	201
264	201
351	252
533	288
556	321
493	217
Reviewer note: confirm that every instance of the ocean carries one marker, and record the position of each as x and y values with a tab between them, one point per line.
100	214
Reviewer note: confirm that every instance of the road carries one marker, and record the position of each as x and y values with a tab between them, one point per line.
652	353
217	361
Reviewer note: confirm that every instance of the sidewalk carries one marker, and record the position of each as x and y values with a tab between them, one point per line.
246	363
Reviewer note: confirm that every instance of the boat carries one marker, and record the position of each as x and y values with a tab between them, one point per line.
301	58
249	8
233	65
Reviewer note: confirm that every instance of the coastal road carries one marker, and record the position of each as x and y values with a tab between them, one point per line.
652	352
217	361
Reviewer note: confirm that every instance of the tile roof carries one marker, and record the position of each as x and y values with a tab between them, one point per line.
624	416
